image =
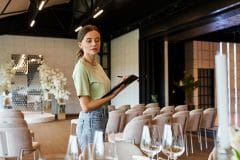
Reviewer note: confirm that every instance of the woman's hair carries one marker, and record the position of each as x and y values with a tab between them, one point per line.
81	34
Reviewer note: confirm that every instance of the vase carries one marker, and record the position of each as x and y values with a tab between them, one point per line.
48	107
61	112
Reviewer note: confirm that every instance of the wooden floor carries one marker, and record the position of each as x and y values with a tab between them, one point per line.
53	138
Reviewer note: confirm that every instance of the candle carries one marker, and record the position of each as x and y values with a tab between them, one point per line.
222	104
235	85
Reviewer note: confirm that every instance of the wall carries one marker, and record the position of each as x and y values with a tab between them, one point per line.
58	53
125	61
201	54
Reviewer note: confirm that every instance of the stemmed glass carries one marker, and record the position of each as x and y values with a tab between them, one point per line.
172	141
150	140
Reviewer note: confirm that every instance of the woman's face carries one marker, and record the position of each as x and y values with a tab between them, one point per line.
91	43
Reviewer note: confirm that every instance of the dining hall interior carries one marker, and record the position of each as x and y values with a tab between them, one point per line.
184	54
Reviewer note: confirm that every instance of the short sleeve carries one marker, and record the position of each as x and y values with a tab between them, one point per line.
81	81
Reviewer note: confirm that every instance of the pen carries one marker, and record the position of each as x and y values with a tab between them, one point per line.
120	76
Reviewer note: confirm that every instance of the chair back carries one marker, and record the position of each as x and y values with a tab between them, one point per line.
182	119
167	109
133	130
208	117
138	106
13	122
152	105
130	114
111	108
194	120
14	141
160	120
152	111
183	107
114	121
124	107
141	117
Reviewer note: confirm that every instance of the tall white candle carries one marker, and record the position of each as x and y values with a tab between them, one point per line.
222	104
235	85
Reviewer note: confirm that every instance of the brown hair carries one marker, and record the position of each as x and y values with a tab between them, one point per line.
81	34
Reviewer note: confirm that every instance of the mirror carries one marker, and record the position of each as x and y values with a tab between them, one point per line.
26	88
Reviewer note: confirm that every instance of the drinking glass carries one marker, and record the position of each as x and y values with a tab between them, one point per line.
150	140
172	141
98	145
110	151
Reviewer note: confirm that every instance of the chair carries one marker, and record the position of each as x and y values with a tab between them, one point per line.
152	105
164	114
160	120
17	142
124	107
131	113
72	128
15	122
138	106
132	131
212	155
152	111
181	117
12	123
114	121
194	121
111	108
183	107
208	117
167	109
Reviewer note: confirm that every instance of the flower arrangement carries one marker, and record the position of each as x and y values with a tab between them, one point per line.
53	81
235	143
6	74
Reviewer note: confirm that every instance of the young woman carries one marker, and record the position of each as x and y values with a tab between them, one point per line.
91	83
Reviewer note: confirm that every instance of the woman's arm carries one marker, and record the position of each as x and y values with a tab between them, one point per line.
88	104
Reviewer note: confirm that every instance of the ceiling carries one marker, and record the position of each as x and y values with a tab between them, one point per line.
59	18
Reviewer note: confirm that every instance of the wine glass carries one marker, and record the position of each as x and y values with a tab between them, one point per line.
172	141
150	140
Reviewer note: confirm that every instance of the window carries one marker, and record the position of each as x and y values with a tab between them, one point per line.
206	88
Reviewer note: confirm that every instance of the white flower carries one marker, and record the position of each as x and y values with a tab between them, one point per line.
53	81
6	74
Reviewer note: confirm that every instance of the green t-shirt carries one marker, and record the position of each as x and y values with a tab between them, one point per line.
90	80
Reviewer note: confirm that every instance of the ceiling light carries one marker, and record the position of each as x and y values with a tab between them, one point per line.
32	23
98	13
78	28
41	5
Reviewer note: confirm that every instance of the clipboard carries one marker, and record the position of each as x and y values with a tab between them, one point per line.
131	78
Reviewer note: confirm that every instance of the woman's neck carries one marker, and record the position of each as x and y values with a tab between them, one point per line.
90	60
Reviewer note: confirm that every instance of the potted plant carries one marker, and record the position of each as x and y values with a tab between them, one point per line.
188	84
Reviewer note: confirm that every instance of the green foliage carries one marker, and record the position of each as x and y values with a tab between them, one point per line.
236	154
188	84
154	98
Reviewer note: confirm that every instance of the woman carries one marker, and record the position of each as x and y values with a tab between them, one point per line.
91	83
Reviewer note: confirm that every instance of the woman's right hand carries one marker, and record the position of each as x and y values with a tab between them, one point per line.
117	91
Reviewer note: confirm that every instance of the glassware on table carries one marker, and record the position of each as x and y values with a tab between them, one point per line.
151	140
98	146
110	151
172	141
